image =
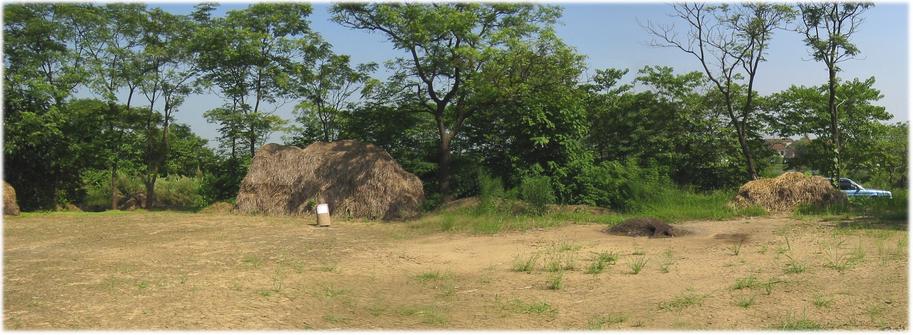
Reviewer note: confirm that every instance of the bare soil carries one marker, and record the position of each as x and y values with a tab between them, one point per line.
164	270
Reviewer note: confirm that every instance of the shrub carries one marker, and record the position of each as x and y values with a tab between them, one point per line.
179	192
538	192
491	190
620	186
97	184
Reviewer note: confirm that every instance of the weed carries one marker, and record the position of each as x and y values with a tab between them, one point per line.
873	312
637	265
638	252
541	307
858	253
525	264
793	266
836	259
823	302
768	286
430	315
746	302
555	282
429	276
567	246
736	247
252	260
331	318
265	293
330	292
689	298
602	259
749	282
142	285
762	250
600	322
801	323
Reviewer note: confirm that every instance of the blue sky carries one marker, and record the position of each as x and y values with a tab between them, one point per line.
610	36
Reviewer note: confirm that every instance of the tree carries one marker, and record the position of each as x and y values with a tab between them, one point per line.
446	45
249	55
44	53
827	28
169	76
327	82
805	111
118	31
730	44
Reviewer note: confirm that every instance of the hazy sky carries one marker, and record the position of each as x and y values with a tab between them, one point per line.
610	36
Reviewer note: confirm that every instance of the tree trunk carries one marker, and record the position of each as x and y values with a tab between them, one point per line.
835	130
149	181
746	151
444	168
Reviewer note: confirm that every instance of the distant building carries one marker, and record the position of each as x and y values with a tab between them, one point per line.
782	146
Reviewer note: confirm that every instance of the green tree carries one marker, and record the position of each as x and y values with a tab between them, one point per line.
327	82
730	43
827	28
447	44
804	111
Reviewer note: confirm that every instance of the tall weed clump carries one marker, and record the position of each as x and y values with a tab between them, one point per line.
179	192
491	193
538	192
620	186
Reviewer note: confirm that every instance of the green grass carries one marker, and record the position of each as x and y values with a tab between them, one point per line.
525	264
429	276
671	205
599	263
555	282
875	209
600	322
793	266
637	265
749	282
823	302
540	308
682	301
800	323
746	302
430	315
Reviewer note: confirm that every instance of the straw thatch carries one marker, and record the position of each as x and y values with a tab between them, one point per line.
9	200
355	179
788	191
220	207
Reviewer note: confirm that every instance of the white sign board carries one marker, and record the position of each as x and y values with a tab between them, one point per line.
323	209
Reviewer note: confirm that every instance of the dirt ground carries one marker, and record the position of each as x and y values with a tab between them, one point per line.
166	270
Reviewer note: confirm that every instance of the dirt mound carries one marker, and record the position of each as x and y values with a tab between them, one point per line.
650	227
355	179
788	191
9	200
220	207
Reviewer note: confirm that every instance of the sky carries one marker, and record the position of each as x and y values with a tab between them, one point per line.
610	35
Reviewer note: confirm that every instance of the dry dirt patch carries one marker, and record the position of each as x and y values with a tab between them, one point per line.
166	270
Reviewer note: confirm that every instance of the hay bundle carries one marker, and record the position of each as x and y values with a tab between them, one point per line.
788	191
9	200
355	179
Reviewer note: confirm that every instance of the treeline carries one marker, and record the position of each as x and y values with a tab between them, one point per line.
480	88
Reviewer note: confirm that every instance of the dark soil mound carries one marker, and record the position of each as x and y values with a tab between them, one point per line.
650	227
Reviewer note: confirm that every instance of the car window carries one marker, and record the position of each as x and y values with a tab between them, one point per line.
846	185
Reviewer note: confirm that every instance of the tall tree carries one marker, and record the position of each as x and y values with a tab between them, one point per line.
446	45
170	75
730	44
118	32
828	27
326	82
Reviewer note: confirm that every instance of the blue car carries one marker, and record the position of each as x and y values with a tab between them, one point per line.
852	189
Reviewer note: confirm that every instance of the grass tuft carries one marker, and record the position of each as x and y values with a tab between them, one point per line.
637	265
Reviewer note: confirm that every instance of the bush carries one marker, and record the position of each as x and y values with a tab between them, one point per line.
491	191
538	192
97	185
625	187
179	192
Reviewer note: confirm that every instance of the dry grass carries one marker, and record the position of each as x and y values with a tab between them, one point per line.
9	200
356	179
787	192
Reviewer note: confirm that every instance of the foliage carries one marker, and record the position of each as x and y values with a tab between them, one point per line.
491	192
179	192
538	192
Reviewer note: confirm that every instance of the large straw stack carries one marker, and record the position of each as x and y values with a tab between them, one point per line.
788	191
356	179
9	200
